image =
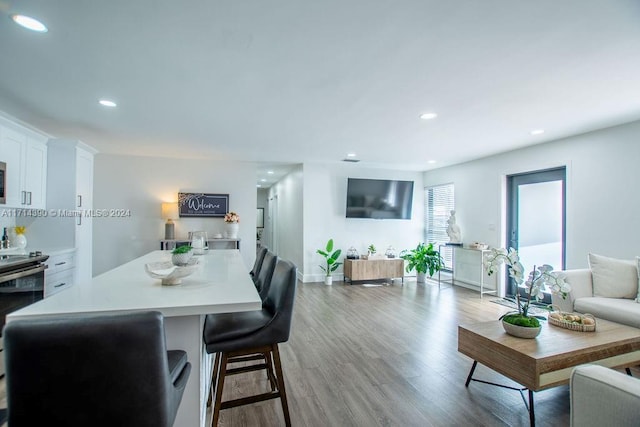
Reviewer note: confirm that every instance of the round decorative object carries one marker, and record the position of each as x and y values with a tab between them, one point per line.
352	253
169	273
21	241
390	252
232	230
521	331
181	259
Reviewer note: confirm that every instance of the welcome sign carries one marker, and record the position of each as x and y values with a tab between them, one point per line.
203	204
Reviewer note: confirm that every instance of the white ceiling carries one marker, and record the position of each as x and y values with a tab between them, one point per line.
291	81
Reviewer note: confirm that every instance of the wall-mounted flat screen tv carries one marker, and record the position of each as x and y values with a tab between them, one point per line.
379	198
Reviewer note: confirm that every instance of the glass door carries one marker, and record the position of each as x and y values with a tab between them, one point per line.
536	219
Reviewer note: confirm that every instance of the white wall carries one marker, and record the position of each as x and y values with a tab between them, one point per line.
141	184
602	199
288	195
325	195
262	198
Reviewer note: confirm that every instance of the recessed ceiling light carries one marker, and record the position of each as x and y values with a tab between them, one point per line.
428	116
29	23
107	103
351	154
263	180
258	185
270	172
537	132
431	162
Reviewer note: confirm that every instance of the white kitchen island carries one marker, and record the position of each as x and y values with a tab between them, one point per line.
220	285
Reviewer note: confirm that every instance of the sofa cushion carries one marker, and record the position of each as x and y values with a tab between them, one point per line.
614	278
619	310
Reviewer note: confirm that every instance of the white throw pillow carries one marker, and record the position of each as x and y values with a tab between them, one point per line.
614	278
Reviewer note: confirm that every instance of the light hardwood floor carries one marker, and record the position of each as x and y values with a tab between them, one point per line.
386	356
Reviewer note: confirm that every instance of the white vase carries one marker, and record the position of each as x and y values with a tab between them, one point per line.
181	259
20	241
232	230
421	277
328	280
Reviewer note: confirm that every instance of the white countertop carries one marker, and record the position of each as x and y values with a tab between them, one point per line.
221	284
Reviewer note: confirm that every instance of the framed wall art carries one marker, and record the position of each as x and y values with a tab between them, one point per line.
202	204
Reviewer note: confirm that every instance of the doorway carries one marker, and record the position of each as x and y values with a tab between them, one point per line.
536	220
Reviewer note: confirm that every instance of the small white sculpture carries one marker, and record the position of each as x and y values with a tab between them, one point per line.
453	230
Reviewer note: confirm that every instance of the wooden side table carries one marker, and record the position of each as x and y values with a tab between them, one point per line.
373	269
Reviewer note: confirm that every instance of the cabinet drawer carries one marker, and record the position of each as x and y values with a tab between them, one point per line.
58	263
54	283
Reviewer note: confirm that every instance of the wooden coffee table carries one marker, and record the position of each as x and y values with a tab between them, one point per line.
546	361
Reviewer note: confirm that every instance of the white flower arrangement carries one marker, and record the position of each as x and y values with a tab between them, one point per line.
537	280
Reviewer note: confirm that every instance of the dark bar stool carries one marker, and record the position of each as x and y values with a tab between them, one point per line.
83	371
252	335
258	264
263	280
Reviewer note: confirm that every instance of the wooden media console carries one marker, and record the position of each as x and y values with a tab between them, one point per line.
373	269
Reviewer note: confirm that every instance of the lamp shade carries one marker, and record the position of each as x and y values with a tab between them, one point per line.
169	210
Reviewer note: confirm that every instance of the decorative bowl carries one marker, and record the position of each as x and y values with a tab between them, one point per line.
170	274
521	331
479	246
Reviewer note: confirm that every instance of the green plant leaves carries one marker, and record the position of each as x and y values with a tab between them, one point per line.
331	257
423	259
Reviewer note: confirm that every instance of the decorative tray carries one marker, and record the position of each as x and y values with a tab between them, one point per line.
170	274
573	321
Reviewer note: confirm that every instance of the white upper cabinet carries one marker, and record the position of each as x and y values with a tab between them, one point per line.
12	146
35	174
25	154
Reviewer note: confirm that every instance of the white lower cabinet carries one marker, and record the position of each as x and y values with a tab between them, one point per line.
59	275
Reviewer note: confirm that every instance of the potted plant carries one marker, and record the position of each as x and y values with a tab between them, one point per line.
331	258
232	224
181	255
423	259
371	249
520	323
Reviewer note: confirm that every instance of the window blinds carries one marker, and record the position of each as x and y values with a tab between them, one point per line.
439	201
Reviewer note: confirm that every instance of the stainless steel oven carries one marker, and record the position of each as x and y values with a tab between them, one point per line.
3	183
21	284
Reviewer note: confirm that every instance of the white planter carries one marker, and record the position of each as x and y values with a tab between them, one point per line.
232	230
181	259
421	277
328	280
20	241
521	331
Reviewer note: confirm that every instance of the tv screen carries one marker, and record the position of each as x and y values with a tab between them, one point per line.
379	198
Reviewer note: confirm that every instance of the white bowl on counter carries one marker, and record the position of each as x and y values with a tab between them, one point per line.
170	274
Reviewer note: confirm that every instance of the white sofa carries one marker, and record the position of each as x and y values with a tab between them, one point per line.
603	397
608	290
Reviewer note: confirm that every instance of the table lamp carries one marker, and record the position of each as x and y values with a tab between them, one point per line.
169	211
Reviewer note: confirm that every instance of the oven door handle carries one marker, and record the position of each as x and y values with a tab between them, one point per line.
28	271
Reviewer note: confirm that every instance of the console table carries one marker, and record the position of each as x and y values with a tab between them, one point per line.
166	244
467	267
373	269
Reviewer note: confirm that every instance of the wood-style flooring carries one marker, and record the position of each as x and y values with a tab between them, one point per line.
386	356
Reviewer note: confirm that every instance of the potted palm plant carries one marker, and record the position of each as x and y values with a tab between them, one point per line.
424	259
331	259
